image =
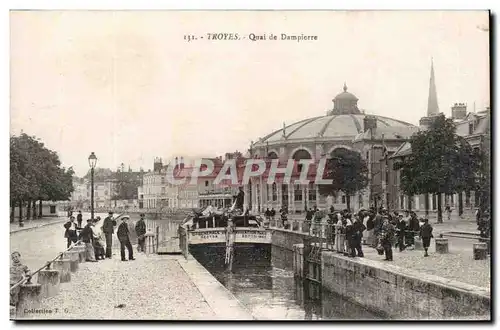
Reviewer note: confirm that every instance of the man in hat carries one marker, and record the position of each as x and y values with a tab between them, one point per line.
108	227
140	230
124	239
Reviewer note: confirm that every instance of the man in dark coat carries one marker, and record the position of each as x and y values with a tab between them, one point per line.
240	197
108	229
71	231
401	226
79	218
356	235
124	239
426	235
140	230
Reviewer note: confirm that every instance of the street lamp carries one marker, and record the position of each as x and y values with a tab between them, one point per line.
92	163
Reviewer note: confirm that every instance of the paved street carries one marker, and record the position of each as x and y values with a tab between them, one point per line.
458	265
151	287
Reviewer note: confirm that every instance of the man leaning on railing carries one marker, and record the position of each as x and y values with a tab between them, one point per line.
18	272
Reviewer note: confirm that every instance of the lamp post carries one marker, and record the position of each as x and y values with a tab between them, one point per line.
92	163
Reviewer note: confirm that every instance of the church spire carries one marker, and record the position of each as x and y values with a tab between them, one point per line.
432	102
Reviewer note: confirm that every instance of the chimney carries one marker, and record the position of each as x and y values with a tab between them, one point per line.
181	165
176	163
157	165
459	111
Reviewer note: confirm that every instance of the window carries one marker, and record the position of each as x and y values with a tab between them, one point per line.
402	202
471	128
312	192
297	193
105	193
52	209
162	180
284	198
367	156
343	199
274	192
163	190
206	183
434	202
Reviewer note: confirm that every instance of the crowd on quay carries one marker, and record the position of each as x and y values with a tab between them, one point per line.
98	242
376	228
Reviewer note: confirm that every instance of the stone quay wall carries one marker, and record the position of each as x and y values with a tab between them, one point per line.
400	293
286	239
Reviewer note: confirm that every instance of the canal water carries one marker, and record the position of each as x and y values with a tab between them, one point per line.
262	280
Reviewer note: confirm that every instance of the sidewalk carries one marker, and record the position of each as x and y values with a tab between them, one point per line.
458	265
152	287
37	223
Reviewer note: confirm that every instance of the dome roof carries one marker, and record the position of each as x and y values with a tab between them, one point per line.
334	127
345	95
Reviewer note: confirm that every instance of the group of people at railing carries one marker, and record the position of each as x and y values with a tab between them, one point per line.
98	243
346	232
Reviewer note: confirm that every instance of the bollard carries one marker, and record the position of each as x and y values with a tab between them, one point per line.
82	253
12	312
64	268
441	245
480	251
74	257
49	279
418	243
29	300
150	240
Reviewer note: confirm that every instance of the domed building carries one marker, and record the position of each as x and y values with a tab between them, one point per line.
345	126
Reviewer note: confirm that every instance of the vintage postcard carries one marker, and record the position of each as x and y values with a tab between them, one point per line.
250	165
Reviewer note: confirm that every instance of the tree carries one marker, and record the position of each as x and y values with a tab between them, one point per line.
348	171
35	174
440	162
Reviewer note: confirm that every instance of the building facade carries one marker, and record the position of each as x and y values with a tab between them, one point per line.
345	126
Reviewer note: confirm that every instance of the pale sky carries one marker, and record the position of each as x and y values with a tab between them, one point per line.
127	86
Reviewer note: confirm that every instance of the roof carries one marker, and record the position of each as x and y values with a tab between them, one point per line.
345	126
402	151
481	126
388	133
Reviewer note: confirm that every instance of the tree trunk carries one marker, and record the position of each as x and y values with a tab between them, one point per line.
348	202
34	210
28	211
21	224
440	208
12	208
426	196
460	204
40	210
409	202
